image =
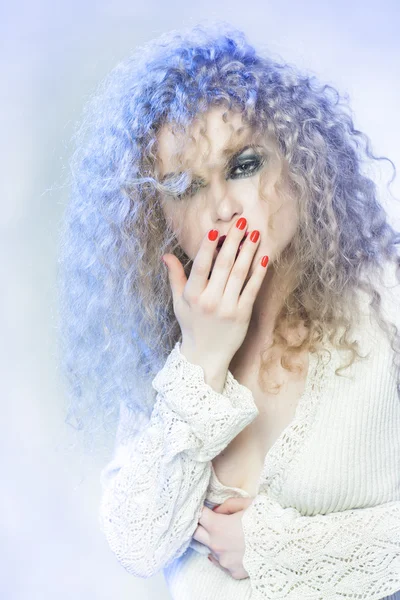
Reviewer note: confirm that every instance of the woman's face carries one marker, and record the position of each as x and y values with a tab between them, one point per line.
219	196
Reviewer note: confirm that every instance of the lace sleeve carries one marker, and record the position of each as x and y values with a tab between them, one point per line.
344	555
155	486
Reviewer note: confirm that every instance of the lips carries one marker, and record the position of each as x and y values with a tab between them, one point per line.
221	241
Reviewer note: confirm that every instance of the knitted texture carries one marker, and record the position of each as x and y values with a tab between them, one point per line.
353	554
325	522
155	486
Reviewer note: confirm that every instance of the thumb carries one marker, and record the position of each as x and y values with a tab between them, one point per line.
233	505
176	273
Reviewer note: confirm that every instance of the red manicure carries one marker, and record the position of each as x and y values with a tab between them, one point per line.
241	223
264	261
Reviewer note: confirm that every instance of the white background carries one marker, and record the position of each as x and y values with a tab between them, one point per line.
53	56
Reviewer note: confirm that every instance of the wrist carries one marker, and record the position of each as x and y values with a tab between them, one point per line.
214	372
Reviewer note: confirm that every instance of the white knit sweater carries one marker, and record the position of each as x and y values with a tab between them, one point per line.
325	523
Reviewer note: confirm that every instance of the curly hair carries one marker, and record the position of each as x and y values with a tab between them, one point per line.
116	318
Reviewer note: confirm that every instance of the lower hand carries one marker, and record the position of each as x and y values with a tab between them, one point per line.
224	537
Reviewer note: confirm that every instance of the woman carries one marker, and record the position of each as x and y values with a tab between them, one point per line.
230	366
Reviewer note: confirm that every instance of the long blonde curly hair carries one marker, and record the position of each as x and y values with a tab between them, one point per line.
116	319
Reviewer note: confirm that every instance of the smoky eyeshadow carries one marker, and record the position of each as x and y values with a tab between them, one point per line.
179	184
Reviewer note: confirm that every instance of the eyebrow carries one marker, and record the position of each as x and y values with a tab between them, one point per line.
229	151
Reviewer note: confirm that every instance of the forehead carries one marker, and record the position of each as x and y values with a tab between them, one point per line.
208	144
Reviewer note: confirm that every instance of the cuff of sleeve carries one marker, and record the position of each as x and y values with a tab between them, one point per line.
214	418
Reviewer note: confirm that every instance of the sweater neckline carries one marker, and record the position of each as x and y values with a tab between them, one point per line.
285	449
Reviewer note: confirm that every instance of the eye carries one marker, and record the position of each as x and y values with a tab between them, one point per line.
250	167
191	190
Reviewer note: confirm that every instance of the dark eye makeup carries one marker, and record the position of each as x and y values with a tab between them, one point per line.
250	164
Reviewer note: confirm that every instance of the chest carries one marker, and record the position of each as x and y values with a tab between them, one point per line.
241	462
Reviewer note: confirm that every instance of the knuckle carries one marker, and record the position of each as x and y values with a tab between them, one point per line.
190	297
245	308
208	306
187	296
227	314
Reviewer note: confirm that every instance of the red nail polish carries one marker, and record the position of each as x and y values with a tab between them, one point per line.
264	261
241	223
255	235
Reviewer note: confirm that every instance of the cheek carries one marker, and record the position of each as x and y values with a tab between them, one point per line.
189	238
190	242
192	233
291	220
186	246
284	223
177	221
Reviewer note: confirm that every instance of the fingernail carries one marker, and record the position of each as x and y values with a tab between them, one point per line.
255	235
162	258
241	223
264	261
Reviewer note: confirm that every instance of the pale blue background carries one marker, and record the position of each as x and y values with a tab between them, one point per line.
53	56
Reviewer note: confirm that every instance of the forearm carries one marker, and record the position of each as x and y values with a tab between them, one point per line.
154	489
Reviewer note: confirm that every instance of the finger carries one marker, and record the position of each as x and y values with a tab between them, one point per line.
201	267
222	509
226	259
212	559
201	535
252	287
176	274
241	268
206	517
232	505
